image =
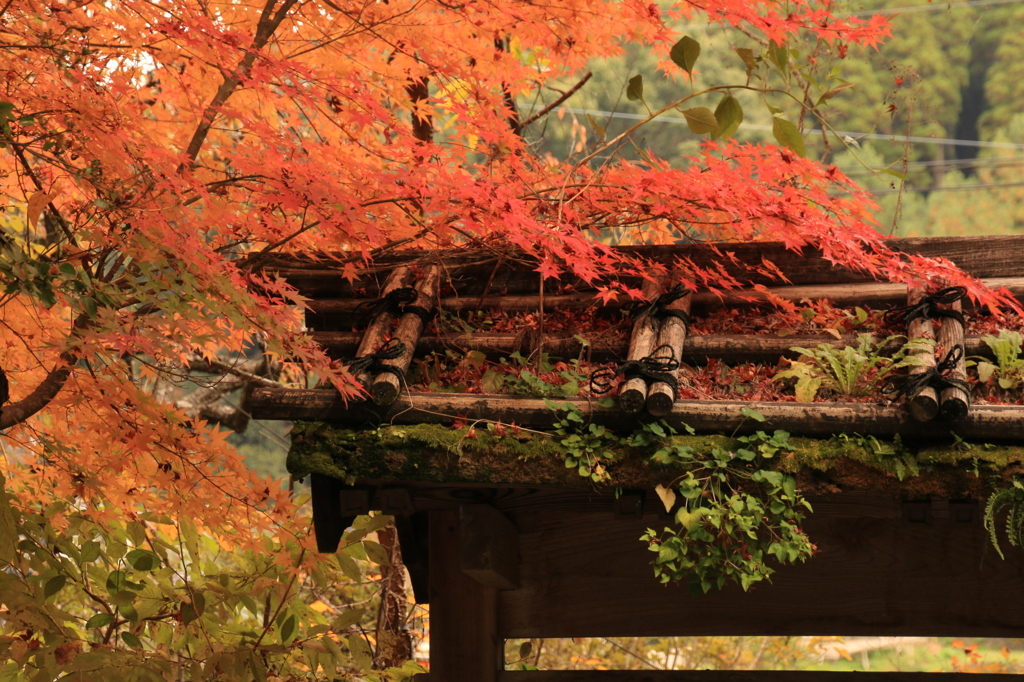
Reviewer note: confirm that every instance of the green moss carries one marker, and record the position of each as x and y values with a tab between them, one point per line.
439	454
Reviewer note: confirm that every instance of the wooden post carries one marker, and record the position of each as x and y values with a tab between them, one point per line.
386	386
923	406
633	394
464	642
489	546
954	401
375	330
661	396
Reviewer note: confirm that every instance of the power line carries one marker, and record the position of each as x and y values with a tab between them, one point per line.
929	8
946	188
902	139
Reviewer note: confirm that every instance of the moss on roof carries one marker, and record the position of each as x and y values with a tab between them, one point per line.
439	454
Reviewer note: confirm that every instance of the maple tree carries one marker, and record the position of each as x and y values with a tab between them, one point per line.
156	154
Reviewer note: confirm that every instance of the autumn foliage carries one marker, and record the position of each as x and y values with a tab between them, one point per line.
155	153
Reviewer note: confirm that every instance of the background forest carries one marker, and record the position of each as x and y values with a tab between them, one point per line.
950	71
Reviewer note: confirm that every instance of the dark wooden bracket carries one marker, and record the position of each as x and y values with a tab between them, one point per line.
489	549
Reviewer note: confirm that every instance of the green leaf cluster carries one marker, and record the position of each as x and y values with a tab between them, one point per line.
852	371
735	515
1008	369
150	599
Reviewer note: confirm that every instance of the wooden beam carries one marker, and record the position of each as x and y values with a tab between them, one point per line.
730	348
464	643
324	314
489	546
584	574
984	423
737	676
986	256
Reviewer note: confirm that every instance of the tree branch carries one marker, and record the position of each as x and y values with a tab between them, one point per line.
565	95
268	24
47	390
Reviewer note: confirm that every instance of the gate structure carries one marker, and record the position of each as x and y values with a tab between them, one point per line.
511	533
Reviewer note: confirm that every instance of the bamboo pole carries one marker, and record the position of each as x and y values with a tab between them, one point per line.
633	393
954	401
661	395
924	405
386	385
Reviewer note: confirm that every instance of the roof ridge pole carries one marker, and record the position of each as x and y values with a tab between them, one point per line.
661	395
954	401
923	405
633	393
381	323
387	386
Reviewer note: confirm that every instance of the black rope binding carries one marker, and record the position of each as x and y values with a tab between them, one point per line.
659	310
928	308
651	369
374	362
419	311
390	302
912	384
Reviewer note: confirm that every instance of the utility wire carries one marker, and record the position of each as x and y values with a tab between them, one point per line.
930	8
855	136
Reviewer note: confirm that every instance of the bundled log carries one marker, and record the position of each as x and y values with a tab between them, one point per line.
954	400
633	392
387	385
923	405
672	335
381	322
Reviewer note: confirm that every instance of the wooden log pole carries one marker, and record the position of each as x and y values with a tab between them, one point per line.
876	294
984	423
954	402
924	405
673	330
633	393
387	386
380	324
729	348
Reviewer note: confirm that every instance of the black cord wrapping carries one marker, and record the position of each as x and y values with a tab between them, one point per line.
659	310
420	312
912	384
928	308
374	362
651	369
390	302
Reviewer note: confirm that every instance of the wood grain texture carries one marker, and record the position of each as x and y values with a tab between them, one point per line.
923	405
386	386
984	424
489	546
986	256
736	676
464	643
661	395
871	576
953	402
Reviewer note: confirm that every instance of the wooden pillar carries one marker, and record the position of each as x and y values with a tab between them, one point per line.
464	642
